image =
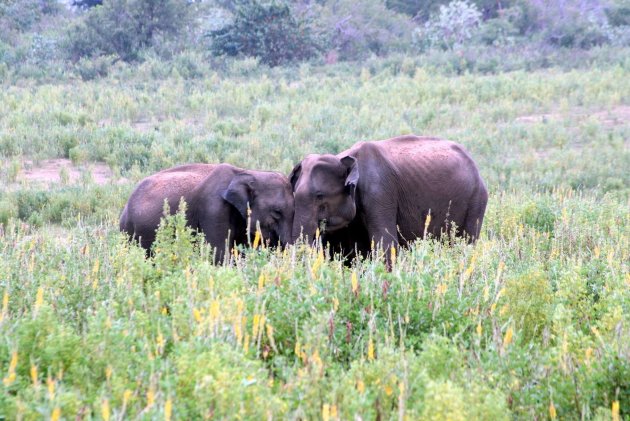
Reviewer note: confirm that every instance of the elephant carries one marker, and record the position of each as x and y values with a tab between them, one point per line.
219	200
384	191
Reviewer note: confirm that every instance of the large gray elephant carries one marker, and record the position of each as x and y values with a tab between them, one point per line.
383	191
218	199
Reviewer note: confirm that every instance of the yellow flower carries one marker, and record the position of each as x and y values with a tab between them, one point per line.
615	411
355	283
108	372
552	411
257	239
246	343
507	339
326	412
270	334
51	388
360	386
105	409
160	340
197	315
479	329
255	325
393	254
56	414
34	374
215	309
12	365
427	222
317	264
486	293
39	299
588	354
388	390
126	396
150	397
168	409
261	282
441	289
370	350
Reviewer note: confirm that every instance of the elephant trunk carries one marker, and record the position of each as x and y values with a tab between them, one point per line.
304	224
285	234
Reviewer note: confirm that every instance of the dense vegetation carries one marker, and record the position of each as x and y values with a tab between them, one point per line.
44	39
532	322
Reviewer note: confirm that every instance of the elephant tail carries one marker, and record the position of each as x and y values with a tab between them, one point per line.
123	224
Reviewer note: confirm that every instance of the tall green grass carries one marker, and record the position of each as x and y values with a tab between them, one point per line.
530	322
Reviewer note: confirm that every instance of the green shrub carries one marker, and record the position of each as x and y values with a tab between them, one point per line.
273	32
221	380
528	299
8	210
125	27
454	25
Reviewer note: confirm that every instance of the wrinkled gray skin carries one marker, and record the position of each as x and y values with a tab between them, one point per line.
217	197
384	190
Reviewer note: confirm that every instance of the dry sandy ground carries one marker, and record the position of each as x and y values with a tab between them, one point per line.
51	171
616	116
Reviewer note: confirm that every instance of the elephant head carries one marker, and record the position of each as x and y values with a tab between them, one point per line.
324	188
267	199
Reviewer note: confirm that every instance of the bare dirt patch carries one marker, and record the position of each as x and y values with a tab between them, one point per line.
612	117
52	171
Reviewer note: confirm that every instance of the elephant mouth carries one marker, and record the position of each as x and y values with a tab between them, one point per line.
274	239
328	226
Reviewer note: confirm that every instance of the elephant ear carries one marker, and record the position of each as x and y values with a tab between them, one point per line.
352	179
295	175
239	193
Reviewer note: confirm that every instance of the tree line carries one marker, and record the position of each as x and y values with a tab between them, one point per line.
279	32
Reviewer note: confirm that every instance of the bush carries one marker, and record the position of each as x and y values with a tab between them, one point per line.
20	16
92	68
451	27
573	23
353	30
125	27
272	32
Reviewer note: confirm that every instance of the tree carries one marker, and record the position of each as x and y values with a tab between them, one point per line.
86	4
125	27
270	31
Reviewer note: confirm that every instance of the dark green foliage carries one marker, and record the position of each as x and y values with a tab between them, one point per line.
86	4
356	29
271	31
125	27
618	13
22	15
422	9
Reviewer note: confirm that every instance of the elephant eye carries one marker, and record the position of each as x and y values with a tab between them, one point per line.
319	195
276	214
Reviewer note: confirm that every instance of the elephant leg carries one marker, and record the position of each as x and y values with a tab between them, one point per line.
473	221
382	230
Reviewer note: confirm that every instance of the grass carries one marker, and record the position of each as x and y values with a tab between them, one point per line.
531	322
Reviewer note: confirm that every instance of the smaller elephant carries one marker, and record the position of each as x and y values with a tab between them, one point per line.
219	198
